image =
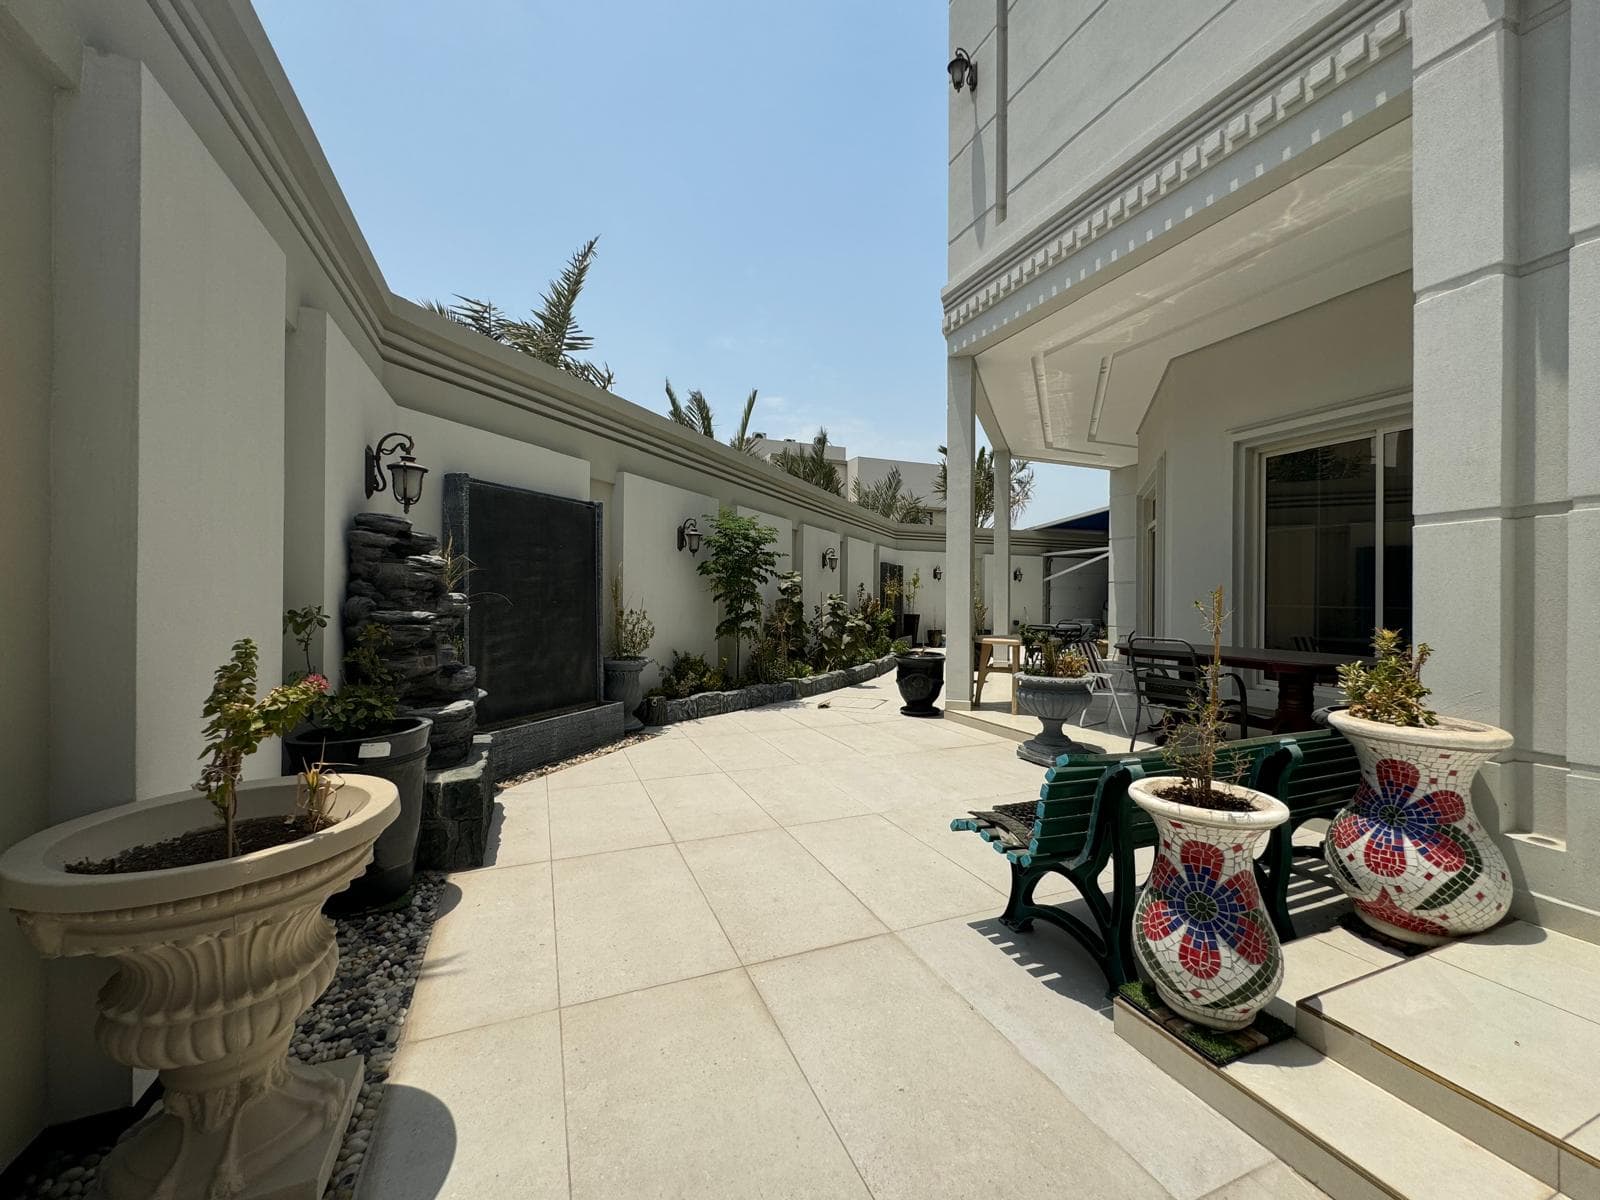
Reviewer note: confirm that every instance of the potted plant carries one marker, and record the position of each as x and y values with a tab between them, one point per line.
919	674
1407	848
209	903
359	728
1053	685
1200	932
910	620
631	634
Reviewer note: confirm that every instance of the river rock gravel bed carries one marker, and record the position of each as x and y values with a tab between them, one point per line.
362	1012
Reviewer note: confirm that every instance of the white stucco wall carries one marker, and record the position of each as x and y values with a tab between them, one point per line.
859	568
677	597
783	544
930	596
1080	594
819	582
25	320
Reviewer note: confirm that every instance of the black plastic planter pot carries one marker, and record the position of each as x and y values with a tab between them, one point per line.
909	624
920	677
399	753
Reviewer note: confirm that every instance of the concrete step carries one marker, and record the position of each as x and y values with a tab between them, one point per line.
1496	1037
1349	1137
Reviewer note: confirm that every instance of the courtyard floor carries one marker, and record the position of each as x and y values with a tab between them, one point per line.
747	958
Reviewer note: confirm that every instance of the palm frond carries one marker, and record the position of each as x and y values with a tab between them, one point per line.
700	412
742	440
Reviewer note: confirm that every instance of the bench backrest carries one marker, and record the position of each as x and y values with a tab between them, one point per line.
1316	775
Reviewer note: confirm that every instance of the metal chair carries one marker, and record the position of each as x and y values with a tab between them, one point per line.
1104	682
1168	675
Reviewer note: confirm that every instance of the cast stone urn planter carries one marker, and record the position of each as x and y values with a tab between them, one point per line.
1407	848
625	683
215	962
920	677
1054	700
1200	931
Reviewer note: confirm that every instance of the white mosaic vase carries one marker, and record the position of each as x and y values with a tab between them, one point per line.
1200	932
1407	848
215	962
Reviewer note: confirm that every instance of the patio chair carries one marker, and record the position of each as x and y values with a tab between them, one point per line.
1168	676
1105	683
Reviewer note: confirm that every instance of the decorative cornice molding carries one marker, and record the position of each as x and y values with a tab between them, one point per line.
1225	126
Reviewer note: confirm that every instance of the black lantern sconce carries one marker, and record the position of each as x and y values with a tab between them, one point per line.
938	571
404	475
830	559
963	71
1017	575
689	536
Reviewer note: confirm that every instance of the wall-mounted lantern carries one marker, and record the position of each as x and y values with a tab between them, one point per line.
830	559
1017	575
963	71
405	475
689	536
938	571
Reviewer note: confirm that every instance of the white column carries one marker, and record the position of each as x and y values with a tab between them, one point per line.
960	443
1122	609
1000	585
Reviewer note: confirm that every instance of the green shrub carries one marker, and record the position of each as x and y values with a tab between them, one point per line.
689	675
1391	689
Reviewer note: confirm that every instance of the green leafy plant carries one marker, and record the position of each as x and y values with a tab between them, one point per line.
1053	659
366	697
913	586
1391	689
980	610
239	723
457	567
688	675
1193	743
830	631
631	628
739	561
315	788
302	624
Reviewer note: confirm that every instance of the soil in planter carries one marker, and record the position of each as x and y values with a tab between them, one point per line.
1183	793
199	846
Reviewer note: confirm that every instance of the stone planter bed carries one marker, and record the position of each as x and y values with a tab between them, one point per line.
380	956
659	710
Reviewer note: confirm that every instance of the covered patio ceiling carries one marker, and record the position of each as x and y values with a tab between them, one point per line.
1074	386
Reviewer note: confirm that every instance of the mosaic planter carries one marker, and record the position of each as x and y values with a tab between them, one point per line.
1200	932
1408	849
920	677
1053	701
214	964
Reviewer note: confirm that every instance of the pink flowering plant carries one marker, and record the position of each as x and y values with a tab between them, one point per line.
239	723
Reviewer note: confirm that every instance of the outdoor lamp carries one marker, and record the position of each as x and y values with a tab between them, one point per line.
963	71
689	536
938	572
1017	575
405	476
830	559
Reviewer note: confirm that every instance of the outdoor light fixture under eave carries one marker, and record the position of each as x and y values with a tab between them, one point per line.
405	476
1017	575
963	71
689	536
830	559
938	572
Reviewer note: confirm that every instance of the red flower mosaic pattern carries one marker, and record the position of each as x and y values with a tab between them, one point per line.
1394	818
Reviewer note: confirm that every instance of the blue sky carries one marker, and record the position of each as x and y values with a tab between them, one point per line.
768	183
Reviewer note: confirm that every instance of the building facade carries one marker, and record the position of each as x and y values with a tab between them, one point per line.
1318	283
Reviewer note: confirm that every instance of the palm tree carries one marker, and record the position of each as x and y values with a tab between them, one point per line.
983	485
551	333
813	465
888	499
697	415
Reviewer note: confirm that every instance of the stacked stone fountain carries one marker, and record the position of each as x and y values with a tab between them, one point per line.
397	581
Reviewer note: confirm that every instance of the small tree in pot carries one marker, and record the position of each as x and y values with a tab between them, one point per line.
910	620
1408	849
1054	686
1200	932
632	631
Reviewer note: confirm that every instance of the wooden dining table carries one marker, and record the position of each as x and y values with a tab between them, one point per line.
1296	672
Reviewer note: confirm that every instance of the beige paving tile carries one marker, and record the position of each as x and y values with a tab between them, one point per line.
903	881
1275	1181
477	1115
795	794
664	758
739	750
606	816
702	806
997	762
519	831
876	784
929	822
774	718
810	747
1311	965
928	734
688	1090
1049	1000
1550	966
835	716
1533	1060
773	898
608	768
928	1097
492	954
871	740
632	919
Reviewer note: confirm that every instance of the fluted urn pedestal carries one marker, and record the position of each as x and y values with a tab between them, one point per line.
215	963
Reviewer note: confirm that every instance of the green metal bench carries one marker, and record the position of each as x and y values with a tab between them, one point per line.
1083	821
1316	774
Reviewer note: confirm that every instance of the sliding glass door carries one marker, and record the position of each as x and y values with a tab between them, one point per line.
1336	542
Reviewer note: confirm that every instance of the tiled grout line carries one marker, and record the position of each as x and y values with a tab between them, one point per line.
561	1025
